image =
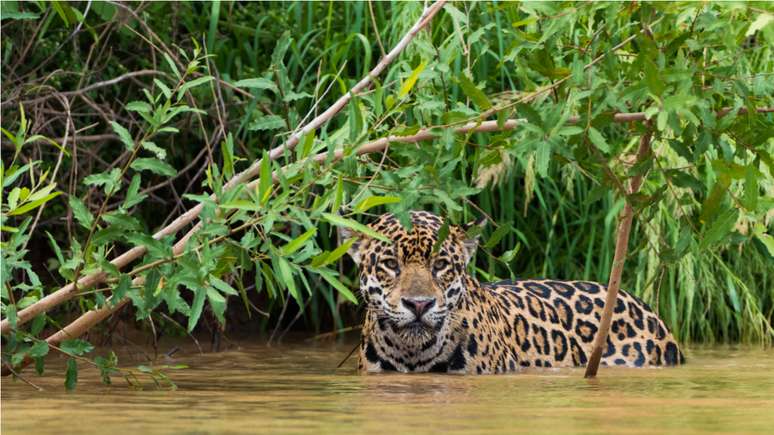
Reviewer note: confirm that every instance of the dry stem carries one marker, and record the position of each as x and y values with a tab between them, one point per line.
621	248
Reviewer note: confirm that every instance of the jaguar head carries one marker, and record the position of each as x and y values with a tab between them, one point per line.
411	285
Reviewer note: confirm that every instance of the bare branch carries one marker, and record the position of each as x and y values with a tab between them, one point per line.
619	258
91	87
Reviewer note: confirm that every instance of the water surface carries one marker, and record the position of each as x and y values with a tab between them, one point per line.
296	388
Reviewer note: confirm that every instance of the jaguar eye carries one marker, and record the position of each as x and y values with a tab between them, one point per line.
440	265
391	263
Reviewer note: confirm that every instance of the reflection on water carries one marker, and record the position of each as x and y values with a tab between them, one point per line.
296	388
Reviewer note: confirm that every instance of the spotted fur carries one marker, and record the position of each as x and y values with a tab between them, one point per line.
425	313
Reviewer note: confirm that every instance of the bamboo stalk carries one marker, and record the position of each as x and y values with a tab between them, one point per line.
619	258
67	292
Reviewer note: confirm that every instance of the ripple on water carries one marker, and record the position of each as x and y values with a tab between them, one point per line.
296	388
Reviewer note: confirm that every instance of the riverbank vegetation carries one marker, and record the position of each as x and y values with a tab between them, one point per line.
182	167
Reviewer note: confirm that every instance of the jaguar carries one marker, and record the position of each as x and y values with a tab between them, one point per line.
424	312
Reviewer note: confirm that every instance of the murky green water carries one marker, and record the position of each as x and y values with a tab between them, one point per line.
296	388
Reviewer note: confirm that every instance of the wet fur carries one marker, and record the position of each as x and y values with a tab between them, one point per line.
490	328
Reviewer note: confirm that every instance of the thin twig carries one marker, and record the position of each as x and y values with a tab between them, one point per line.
23	379
91	87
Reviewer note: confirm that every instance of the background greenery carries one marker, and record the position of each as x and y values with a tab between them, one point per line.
207	88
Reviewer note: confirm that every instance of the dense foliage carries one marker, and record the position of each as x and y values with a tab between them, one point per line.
118	117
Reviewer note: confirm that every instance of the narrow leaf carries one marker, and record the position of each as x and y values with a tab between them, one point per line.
154	165
123	134
338	285
80	212
373	201
297	243
475	94
354	225
598	140
411	80
71	375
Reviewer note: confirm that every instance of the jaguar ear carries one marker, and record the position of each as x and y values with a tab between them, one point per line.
354	239
472	234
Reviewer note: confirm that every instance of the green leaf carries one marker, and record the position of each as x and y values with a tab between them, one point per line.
354	225
223	286
34	204
172	65
120	291
373	201
654	82
71	375
338	285
218	304
241	204
509	255
266	181
105	10
80	212
133	195
192	84
768	242
227	151
719	228
64	11
10	11
286	273
355	120
164	88
139	107
76	346
339	197
295	96
750	199
411	80
258	83
326	257
39	349
533	117
497	235
109	234
154	165
160	153
443	233
267	122
150	289
297	243
760	22
598	140
109	180
475	94
123	134
10	314
712	202
525	22
38	323
196	307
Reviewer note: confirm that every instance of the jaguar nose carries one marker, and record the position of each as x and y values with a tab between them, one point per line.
418	306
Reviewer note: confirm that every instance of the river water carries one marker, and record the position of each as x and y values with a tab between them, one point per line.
296	388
